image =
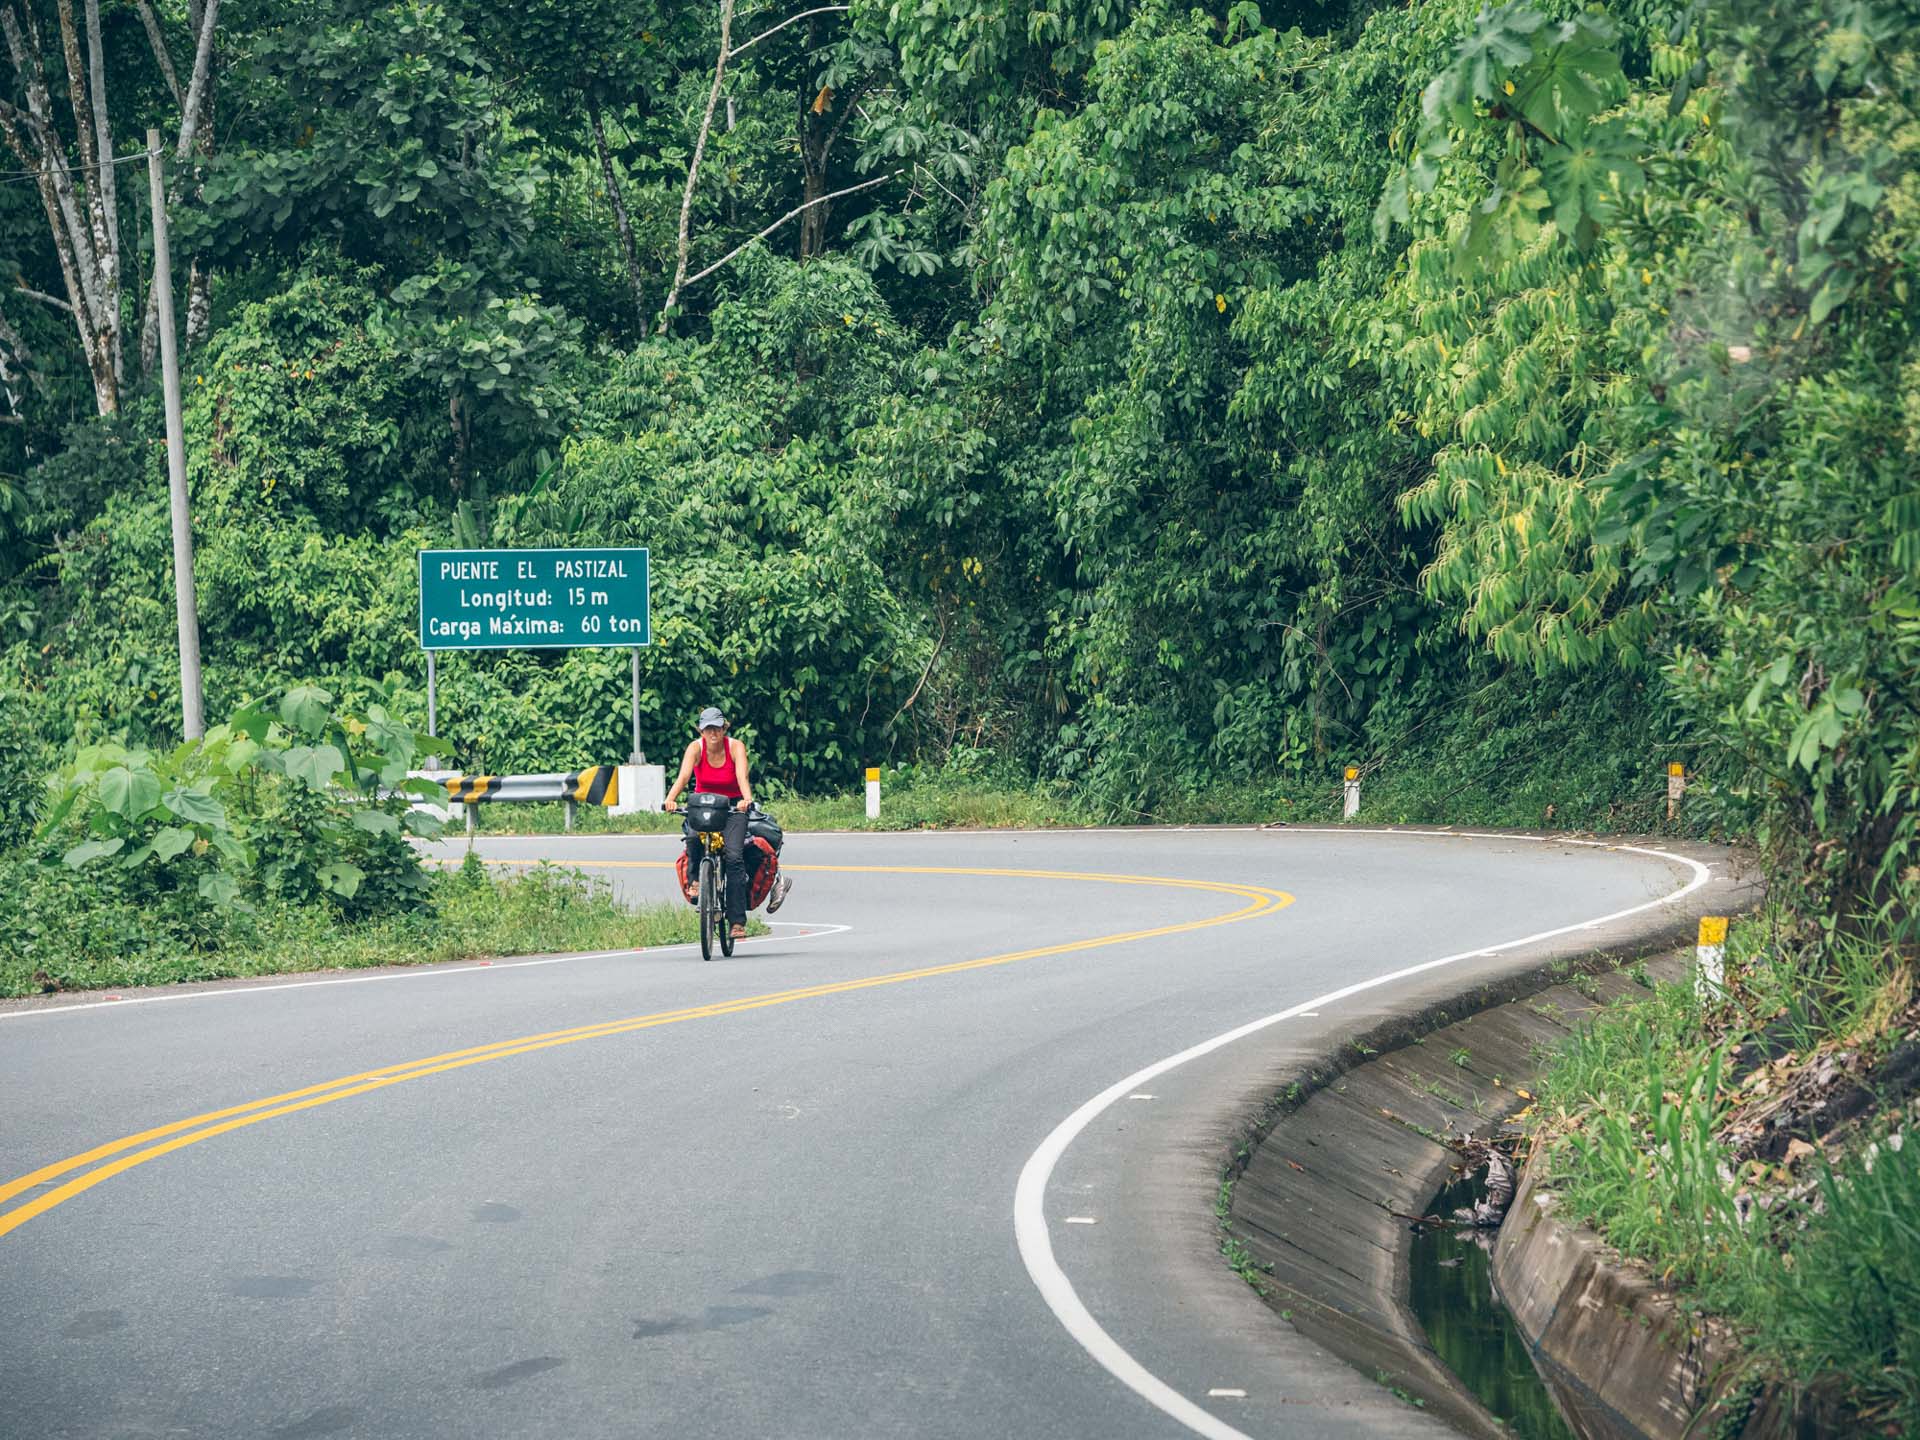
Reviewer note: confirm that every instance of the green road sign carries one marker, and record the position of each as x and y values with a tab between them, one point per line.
533	599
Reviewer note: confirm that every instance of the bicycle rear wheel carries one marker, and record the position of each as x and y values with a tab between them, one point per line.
710	919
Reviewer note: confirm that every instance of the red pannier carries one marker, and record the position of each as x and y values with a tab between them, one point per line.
763	865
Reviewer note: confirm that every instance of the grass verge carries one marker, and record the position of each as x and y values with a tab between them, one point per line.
468	913
1701	1139
904	806
913	799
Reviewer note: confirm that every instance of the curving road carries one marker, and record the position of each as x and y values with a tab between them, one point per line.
636	1195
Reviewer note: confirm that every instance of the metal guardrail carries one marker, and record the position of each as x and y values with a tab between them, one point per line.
596	785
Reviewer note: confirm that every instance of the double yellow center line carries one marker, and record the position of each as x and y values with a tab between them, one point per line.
116	1157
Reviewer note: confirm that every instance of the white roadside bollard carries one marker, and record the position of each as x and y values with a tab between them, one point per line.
1710	958
1352	806
642	789
873	792
1676	789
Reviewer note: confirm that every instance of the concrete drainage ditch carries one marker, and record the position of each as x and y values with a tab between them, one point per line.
1322	1208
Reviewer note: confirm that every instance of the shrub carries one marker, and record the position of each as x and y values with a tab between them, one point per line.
295	804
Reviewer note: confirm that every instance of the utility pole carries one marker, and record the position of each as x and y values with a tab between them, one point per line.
192	718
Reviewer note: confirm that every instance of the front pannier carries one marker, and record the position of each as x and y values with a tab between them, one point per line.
707	813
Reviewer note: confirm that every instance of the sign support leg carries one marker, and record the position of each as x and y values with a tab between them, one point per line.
638	757
433	679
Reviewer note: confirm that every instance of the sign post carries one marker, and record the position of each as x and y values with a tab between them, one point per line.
638	755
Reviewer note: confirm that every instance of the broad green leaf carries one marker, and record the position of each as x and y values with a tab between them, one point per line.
316	765
252	720
194	805
306	709
376	822
1572	80
240	755
220	888
172	841
340	877
129	793
1585	180
87	851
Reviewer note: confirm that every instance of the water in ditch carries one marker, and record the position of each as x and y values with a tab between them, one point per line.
1452	1287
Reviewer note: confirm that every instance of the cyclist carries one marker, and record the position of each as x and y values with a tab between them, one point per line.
717	764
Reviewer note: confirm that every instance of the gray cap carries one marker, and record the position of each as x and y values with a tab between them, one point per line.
711	716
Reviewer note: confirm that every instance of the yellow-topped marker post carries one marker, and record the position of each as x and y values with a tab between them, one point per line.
1351	807
1710	958
873	792
1676	788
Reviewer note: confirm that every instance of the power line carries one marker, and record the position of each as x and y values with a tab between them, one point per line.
20	177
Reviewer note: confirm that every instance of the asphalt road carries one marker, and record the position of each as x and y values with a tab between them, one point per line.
767	1196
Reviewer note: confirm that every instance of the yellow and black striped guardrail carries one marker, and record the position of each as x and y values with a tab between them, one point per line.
596	785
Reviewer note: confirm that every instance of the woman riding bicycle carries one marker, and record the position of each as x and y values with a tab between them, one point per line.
717	764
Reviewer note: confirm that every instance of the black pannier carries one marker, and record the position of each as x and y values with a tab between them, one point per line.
763	826
708	813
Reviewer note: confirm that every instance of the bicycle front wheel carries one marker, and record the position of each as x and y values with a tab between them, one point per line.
710	919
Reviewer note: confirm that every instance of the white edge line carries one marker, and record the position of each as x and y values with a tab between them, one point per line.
1029	1196
431	972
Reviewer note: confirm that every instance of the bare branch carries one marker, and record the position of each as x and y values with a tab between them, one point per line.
968	209
76	78
190	116
619	204
197	86
822	10
14	127
161	55
45	299
104	185
693	165
863	185
94	318
932	660
10	337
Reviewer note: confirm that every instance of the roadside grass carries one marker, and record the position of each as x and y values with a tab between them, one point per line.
927	798
470	913
1814	1258
907	803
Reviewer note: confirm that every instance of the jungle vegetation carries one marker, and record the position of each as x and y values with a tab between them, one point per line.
1143	410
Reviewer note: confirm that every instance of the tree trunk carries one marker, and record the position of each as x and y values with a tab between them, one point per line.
196	134
80	196
199	302
627	250
813	222
693	165
819	128
457	459
34	137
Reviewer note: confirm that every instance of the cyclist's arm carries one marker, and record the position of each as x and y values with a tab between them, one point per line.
740	769
686	774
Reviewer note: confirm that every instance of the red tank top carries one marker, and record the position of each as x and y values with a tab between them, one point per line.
716	779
